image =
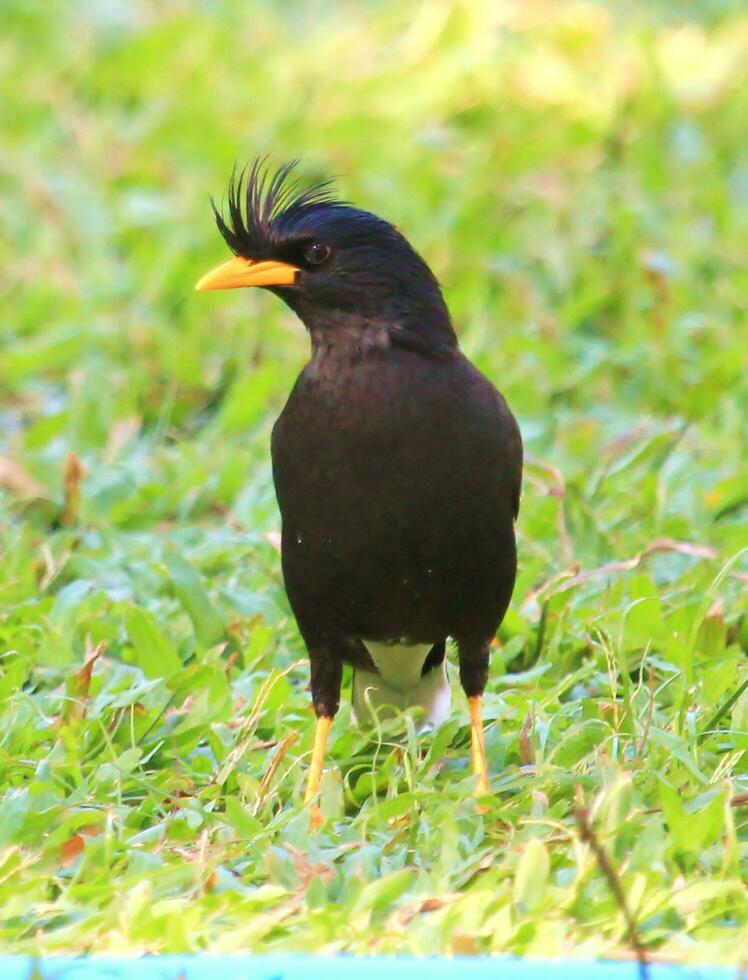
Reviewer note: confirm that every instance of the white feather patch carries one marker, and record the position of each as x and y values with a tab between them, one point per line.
399	684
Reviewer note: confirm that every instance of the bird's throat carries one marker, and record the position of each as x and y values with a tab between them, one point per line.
349	340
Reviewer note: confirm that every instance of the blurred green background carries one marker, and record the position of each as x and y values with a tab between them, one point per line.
577	175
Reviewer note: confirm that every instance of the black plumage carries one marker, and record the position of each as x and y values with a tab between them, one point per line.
397	464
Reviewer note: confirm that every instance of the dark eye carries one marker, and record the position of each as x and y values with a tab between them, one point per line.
317	253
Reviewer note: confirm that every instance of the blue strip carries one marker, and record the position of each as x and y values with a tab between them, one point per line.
243	967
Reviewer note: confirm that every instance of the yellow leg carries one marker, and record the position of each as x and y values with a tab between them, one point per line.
478	746
321	731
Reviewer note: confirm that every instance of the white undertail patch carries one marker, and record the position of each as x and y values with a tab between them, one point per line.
400	685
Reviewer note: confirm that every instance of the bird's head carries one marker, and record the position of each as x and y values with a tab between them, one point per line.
339	268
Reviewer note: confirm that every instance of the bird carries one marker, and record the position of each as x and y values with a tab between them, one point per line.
397	464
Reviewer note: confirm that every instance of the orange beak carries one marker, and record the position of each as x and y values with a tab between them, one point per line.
239	272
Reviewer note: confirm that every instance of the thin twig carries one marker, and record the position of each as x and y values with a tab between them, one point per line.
557	490
588	835
571	577
283	747
740	799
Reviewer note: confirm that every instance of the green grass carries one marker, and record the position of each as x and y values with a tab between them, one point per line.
578	178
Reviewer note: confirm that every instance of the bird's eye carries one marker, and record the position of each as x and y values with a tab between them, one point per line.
317	253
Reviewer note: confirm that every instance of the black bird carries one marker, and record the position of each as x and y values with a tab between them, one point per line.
397	464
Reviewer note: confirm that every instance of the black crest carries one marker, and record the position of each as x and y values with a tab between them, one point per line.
258	197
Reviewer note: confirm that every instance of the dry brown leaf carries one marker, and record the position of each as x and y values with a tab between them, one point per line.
80	683
74	473
72	848
407	915
16	479
82	678
306	871
464	945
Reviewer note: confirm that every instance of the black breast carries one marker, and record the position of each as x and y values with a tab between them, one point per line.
398	480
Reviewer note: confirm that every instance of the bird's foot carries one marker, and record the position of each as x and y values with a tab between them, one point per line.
478	751
482	789
321	731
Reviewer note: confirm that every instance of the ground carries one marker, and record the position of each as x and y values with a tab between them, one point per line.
577	175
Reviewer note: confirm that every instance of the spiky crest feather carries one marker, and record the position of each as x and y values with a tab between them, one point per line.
258	197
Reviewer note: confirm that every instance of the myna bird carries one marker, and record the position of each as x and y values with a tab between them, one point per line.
397	464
